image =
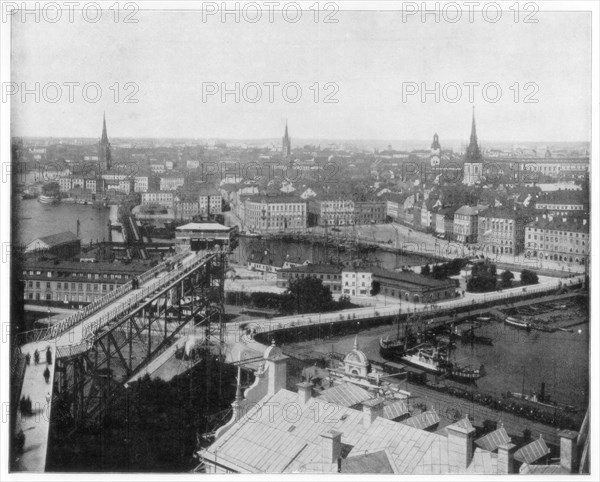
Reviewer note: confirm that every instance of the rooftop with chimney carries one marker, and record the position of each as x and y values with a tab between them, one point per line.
276	430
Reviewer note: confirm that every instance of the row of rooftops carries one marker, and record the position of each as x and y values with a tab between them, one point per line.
365	433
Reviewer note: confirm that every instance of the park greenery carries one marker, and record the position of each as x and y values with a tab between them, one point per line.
484	278
304	295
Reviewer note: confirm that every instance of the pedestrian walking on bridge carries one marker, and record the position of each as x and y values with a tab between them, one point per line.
36	356
49	356
47	375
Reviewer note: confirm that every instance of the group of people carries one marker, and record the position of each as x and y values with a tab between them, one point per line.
36	360
36	357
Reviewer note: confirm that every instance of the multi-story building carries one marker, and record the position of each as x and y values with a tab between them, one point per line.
73	282
158	168
171	183
369	212
274	213
443	220
141	183
161	198
204	235
64	183
330	275
210	200
561	203
333	211
501	230
558	240
397	284
466	223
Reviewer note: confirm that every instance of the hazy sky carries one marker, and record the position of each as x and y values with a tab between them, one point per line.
367	55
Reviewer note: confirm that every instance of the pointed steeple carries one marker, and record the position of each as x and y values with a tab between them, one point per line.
104	134
104	155
286	143
473	153
473	129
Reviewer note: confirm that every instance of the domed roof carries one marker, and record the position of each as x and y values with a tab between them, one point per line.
356	356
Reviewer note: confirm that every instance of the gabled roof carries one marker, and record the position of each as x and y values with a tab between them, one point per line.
423	421
394	410
347	395
492	440
532	452
369	463
554	469
58	238
269	441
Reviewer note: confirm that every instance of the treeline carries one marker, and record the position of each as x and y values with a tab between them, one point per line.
444	270
304	295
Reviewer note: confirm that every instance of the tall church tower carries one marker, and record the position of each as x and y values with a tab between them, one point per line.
436	151
286	143
104	156
473	170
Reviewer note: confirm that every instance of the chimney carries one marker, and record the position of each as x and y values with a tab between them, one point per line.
276	367
460	443
506	460
568	450
304	392
331	445
371	410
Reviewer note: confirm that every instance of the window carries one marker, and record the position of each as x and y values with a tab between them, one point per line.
48	285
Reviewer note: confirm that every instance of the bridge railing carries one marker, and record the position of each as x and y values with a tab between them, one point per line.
92	328
72	320
391	310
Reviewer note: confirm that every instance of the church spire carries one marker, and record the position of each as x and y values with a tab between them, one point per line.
104	134
286	144
104	155
473	153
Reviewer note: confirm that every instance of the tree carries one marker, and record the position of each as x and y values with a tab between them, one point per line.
483	278
375	288
507	278
306	295
426	270
528	277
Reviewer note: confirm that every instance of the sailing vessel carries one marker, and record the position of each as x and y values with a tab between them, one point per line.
395	348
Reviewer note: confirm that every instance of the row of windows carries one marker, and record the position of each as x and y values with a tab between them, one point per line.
569	234
61	274
61	297
74	286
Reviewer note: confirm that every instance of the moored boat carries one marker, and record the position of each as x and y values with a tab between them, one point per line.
44	199
428	358
517	323
466	373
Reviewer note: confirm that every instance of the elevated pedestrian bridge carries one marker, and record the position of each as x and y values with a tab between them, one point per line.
132	325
